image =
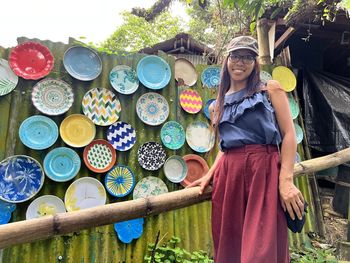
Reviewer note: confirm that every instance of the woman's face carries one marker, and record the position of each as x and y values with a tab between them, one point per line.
240	64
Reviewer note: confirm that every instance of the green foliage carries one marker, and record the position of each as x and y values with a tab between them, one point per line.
170	252
313	255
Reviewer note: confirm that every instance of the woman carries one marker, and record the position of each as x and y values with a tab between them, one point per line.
252	179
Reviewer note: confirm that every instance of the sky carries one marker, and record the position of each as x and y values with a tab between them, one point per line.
60	19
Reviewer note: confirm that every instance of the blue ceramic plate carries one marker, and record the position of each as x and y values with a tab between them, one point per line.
153	72
21	178
152	108
293	106
123	79
299	133
175	169
206	108
120	181
129	230
82	63
297	158
6	210
211	77
172	135
121	135
38	132
62	164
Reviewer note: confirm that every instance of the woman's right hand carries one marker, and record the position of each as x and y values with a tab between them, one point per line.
202	182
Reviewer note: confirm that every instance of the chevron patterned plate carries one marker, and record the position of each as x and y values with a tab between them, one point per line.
99	156
120	181
101	106
121	135
8	79
191	101
152	108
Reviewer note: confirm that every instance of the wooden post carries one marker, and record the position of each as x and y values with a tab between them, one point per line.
263	41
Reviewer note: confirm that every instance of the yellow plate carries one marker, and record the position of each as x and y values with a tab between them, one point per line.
285	77
77	130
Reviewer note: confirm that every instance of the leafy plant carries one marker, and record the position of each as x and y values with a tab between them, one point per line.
313	255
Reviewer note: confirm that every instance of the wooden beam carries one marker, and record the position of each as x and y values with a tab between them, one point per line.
284	37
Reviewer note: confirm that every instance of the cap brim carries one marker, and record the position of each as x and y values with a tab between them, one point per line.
240	48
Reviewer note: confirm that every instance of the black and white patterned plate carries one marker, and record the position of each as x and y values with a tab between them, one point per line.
151	156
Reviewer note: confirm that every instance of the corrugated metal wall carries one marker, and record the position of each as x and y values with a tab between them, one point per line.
100	244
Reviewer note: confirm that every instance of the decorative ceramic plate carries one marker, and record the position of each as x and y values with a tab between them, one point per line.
99	156
21	178
62	164
120	181
265	76
186	71
293	106
299	133
206	108
8	80
86	192
151	156
38	132
6	210
149	186
200	137
82	63
129	230
121	135
101	106
175	169
31	60
52	96
172	135
285	77
297	158
45	205
123	79
190	101
211	77
152	108
197	168
153	72
77	130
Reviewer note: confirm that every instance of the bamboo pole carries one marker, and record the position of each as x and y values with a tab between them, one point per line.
49	226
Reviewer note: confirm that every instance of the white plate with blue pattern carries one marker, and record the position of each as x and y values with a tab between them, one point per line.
200	137
152	108
123	79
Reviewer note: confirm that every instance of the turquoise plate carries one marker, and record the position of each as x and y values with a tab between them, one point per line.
211	77
62	164
206	108
299	133
38	132
153	72
172	135
123	79
120	180
293	106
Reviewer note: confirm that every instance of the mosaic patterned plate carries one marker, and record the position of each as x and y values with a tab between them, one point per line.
265	76
52	96
21	178
293	106
197	168
86	192
31	60
99	156
299	133
211	77
190	101
77	130
153	72
200	137
152	108
62	164
149	186
45	205
120	181
82	63
186	71
285	77
6	210
122	136
123	79
38	132
172	135
175	169
101	106
151	156
8	79
206	108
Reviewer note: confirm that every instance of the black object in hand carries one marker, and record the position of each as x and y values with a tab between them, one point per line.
297	224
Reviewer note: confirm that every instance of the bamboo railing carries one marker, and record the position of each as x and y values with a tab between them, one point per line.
49	226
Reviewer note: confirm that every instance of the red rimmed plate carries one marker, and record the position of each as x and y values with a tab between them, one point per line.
31	60
99	156
197	168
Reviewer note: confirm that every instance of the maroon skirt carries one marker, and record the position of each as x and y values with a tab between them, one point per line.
248	222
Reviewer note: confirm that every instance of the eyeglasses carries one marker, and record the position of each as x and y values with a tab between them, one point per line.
247	59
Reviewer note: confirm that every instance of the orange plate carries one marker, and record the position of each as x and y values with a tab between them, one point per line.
197	168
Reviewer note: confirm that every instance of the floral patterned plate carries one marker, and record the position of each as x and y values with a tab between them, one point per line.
151	156
129	230
52	96
8	79
99	156
45	205
120	181
6	210
149	186
211	77
152	108
86	192
172	135
190	101
121	135
21	178
123	79
175	169
200	137
197	168
101	106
